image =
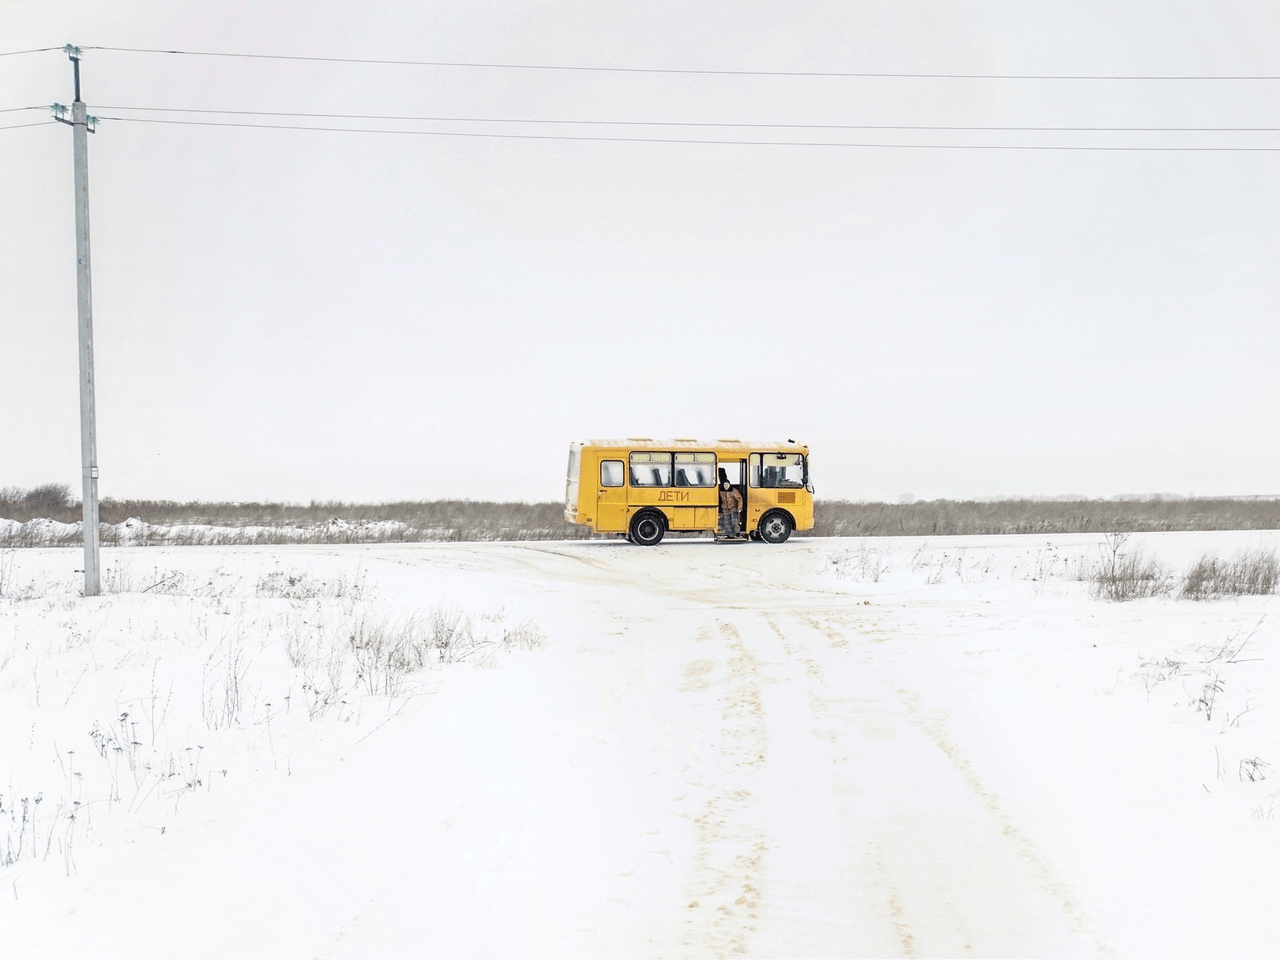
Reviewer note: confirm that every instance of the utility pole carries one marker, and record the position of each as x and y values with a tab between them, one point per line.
81	126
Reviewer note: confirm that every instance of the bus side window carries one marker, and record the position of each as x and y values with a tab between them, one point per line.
695	469
650	469
610	473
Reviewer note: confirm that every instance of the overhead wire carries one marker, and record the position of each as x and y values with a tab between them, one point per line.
694	123
686	72
683	124
18	53
678	140
38	123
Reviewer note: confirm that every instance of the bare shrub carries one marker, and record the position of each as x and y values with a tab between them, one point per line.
450	632
121	577
1253	769
525	636
49	497
1208	696
1127	574
863	563
1246	574
385	651
360	649
300	585
224	685
6	568
1216	657
1153	672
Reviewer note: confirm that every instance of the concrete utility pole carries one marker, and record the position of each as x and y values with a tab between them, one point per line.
81	126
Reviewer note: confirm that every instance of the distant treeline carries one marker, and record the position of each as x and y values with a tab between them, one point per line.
945	518
425	520
481	520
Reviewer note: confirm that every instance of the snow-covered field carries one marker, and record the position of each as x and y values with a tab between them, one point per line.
888	747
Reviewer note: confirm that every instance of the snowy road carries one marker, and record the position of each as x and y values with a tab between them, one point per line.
797	794
730	750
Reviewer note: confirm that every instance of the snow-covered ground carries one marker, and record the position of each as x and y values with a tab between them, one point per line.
888	747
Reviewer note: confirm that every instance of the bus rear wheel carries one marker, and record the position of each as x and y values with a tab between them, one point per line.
647	529
775	528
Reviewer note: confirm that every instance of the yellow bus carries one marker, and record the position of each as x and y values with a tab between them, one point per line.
642	488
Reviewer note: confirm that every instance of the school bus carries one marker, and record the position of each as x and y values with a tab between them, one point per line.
643	488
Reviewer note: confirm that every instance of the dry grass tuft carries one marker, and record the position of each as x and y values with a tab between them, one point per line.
1246	574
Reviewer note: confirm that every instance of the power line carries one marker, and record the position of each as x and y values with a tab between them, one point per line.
740	143
661	70
16	109
693	123
18	53
19	126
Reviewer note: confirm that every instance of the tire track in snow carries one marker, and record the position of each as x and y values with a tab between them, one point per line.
731	843
935	729
820	696
952	874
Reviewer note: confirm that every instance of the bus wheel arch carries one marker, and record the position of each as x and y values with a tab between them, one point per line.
776	526
648	527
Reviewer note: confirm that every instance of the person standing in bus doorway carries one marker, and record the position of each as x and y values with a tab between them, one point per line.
730	508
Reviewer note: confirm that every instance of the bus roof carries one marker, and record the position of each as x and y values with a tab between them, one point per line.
744	446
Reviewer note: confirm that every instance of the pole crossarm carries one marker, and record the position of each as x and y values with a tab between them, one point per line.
62	111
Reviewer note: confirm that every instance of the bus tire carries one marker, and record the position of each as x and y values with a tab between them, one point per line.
775	527
647	528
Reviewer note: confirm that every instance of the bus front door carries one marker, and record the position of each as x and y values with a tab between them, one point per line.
735	471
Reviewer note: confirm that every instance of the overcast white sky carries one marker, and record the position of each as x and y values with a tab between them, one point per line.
299	315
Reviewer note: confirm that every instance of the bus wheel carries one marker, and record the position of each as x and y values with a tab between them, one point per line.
775	527
647	529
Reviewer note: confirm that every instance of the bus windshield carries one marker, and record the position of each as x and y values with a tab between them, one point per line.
774	470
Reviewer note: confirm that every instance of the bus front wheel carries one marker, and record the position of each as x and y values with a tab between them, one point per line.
775	527
647	529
